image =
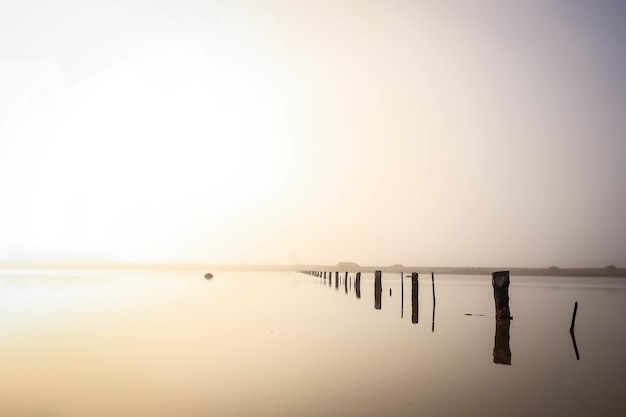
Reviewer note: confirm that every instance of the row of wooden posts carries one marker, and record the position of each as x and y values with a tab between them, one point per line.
500	281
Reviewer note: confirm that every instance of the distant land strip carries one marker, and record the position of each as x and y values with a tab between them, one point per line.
608	271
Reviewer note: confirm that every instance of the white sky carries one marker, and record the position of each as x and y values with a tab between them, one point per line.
478	133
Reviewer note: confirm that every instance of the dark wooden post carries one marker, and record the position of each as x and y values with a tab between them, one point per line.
378	290
336	280
345	282
500	282
571	327
432	277
414	294
571	331
402	295
357	285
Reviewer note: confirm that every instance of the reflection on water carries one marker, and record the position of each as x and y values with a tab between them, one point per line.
501	348
266	344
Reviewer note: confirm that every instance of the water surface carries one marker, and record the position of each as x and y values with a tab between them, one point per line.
85	343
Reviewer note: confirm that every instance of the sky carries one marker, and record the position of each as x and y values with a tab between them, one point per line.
434	133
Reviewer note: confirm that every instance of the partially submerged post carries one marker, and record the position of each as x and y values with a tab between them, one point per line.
414	294
432	277
345	282
571	331
502	350
378	290
402	295
357	285
336	280
571	327
500	282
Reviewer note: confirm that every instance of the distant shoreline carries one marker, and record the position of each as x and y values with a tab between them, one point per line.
609	271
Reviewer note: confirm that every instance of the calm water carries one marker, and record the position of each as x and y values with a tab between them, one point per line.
289	344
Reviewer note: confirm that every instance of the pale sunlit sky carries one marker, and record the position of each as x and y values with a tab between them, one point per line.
452	133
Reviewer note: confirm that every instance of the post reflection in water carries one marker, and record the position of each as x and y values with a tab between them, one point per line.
357	285
414	294
502	349
378	290
432	275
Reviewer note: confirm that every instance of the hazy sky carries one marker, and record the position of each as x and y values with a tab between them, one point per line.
478	133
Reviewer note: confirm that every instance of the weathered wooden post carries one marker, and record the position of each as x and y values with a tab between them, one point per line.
571	327
402	295
345	282
502	350
357	285
500	282
414	294
378	290
336	280
432	277
571	331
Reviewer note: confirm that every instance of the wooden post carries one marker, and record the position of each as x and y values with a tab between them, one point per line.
336	280
414	294
500	282
345	282
402	295
432	277
378	290
571	327
357	285
571	331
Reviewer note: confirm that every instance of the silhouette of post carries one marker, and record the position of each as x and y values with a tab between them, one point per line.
414	294
336	280
432	277
402	295
500	282
345	282
571	327
357	285
571	331
378	290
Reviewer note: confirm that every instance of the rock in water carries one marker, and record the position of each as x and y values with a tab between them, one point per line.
208	275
